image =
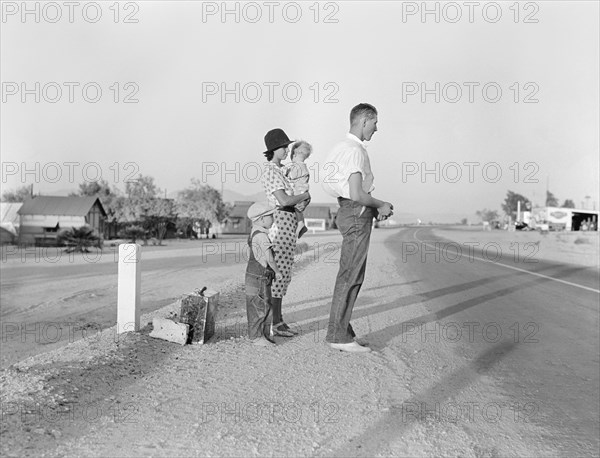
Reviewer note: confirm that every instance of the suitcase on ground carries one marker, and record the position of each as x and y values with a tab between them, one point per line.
198	310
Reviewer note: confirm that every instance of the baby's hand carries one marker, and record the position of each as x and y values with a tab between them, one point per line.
278	276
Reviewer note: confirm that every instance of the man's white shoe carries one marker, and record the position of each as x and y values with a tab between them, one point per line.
351	347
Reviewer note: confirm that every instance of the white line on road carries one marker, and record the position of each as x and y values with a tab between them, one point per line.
516	268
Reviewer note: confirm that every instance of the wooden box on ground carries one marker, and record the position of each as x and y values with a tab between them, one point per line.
199	312
166	329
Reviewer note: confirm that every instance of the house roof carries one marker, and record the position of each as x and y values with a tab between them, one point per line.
317	211
58	205
240	209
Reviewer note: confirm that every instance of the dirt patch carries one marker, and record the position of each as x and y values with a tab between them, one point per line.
62	395
132	395
581	248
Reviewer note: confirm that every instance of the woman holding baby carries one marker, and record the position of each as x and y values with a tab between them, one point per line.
280	194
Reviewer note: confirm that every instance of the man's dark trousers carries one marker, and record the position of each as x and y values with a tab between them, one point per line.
356	234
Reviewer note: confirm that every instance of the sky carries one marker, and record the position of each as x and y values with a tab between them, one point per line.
473	101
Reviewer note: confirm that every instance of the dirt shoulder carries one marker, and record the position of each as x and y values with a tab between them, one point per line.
48	300
132	395
581	248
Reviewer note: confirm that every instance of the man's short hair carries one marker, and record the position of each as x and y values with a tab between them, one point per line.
362	110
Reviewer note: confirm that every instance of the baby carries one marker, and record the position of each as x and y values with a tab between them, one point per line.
298	175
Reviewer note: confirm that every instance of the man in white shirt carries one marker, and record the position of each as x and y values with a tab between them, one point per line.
352	184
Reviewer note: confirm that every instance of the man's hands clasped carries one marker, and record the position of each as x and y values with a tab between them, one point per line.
385	211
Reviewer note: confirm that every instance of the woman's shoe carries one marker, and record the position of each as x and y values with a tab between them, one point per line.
288	329
280	330
270	339
301	231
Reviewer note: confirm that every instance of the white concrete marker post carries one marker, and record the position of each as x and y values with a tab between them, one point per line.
129	288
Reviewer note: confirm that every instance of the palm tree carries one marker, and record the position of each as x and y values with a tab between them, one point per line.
135	232
79	240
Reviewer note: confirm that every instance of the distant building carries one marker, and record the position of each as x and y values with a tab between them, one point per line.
560	219
42	217
238	222
318	217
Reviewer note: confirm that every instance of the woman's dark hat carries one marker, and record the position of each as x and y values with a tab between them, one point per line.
275	139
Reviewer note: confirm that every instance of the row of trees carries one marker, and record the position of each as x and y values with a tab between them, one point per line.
552	201
142	210
18	195
510	206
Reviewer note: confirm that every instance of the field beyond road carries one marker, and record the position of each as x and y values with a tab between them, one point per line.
579	248
472	357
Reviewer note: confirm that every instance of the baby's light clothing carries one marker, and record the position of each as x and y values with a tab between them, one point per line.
298	175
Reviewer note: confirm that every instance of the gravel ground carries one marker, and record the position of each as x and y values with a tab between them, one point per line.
133	395
579	248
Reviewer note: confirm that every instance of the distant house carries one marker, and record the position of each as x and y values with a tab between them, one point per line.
42	217
318	217
9	222
238	222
